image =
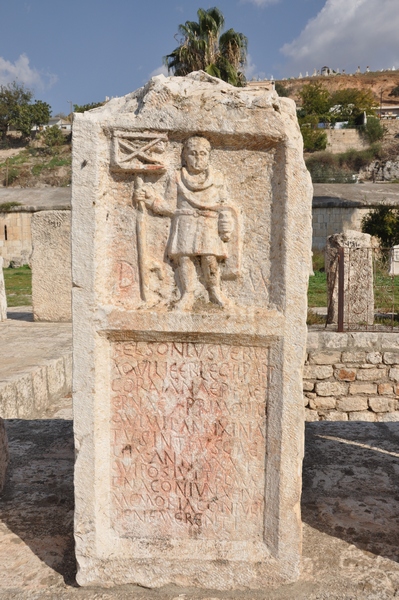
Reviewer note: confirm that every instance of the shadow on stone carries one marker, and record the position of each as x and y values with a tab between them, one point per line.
37	502
20	315
350	484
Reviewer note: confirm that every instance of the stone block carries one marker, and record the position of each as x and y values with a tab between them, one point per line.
353	357
388	417
374	358
378	404
345	374
3	454
317	372
385	388
24	396
40	389
191	236
324	358
305	401
56	382
359	387
322	403
51	265
391	358
335	415
331	388
354	403
8	401
394	374
311	415
308	386
372	374
364	415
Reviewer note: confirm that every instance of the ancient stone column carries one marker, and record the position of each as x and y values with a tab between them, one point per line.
191	236
357	252
51	265
394	261
3	297
3	454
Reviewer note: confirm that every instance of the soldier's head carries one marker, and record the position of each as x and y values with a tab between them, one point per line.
196	151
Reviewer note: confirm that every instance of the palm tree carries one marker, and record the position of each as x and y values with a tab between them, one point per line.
203	47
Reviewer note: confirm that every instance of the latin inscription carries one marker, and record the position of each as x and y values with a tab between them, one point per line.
188	433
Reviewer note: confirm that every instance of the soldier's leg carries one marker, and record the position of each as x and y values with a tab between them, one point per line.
187	278
211	271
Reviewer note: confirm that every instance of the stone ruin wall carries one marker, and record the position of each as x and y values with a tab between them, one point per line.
351	377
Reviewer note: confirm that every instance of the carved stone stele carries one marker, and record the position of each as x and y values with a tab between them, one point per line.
191	234
358	277
3	297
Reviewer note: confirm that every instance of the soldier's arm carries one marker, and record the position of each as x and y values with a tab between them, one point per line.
160	205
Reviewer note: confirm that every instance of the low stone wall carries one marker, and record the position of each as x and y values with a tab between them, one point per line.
341	140
351	376
28	396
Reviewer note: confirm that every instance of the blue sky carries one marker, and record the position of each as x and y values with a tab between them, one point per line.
84	50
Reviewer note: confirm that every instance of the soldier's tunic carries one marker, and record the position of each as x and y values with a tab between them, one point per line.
195	225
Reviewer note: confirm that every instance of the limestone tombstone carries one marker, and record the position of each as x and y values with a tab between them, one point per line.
191	235
3	297
358	277
3	454
394	261
51	265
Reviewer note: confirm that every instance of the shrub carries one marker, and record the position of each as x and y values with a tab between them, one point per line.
282	90
53	136
373	130
313	139
383	223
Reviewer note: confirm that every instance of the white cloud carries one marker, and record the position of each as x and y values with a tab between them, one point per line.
22	72
251	70
261	2
159	71
348	33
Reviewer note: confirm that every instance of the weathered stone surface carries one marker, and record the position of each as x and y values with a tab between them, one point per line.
362	388
385	388
358	277
371	374
364	415
379	404
374	358
335	415
391	358
3	454
51	265
345	374
352	403
394	261
308	386
311	415
323	403
3	297
324	358
331	388
353	357
394	374
317	372
388	417
191	250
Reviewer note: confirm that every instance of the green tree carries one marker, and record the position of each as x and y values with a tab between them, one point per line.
17	109
395	91
383	222
350	104
373	130
202	46
13	96
27	116
315	101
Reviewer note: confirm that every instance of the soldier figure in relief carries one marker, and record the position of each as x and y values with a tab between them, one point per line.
202	221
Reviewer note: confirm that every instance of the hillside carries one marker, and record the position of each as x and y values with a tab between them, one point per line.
377	81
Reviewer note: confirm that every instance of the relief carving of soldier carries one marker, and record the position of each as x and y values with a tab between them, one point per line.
203	222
